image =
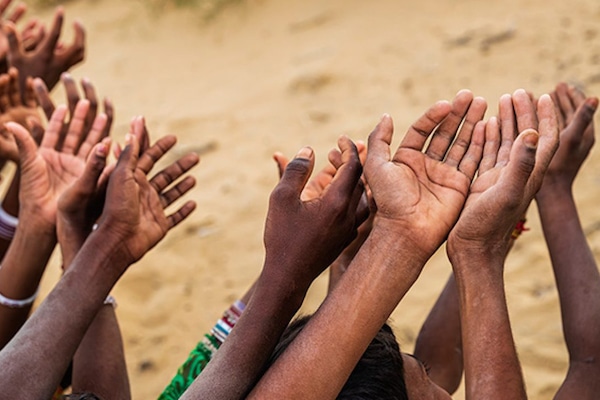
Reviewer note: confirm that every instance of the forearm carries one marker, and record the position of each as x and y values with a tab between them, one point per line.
21	272
439	344
575	272
492	369
99	364
339	332
239	362
37	357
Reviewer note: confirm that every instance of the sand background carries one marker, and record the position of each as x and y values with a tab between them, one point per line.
263	76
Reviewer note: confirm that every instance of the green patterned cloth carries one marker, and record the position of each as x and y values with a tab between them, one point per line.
191	368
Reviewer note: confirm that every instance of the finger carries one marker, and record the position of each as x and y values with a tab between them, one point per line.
75	53
75	133
181	214
583	117
508	128
25	143
463	140
4	98
43	97
577	96
14	91
94	136
296	173
94	166
335	158
129	156
522	162
30	99
379	143
17	13
71	92
110	112
90	94
548	135
155	153
564	101
560	117
362	151
164	178
4	4
15	46
281	161
348	174
525	111
36	129
491	146
418	133
445	133
55	125
470	161
50	41
178	191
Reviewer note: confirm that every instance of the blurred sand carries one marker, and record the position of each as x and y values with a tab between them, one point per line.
266	76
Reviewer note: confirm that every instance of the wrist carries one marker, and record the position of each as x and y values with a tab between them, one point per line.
552	186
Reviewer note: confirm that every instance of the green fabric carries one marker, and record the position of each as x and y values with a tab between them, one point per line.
191	368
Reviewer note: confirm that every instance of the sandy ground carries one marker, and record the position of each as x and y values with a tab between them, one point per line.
265	76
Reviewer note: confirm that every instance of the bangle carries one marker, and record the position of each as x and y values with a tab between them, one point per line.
110	300
519	229
12	303
230	317
8	225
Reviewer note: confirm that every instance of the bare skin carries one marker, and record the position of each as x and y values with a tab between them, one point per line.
44	177
133	221
49	59
302	237
575	269
406	186
510	173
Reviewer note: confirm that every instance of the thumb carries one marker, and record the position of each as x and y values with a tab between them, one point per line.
298	171
522	158
25	143
129	156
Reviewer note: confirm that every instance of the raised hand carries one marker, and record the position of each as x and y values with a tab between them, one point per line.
320	227
510	173
14	109
422	193
134	209
49	59
575	115
48	171
45	101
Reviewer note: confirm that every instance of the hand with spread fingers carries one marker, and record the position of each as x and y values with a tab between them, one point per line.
434	183
47	172
14	109
73	97
48	59
134	205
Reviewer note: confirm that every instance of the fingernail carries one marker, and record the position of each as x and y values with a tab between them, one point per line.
304	152
101	150
531	139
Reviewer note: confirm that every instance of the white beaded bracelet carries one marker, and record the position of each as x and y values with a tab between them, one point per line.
12	303
8	225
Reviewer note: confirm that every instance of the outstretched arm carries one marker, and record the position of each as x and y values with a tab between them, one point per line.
510	174
575	269
418	196
132	222
301	238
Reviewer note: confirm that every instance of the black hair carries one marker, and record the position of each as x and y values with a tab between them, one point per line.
379	374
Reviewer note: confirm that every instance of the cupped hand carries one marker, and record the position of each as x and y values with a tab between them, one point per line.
510	173
420	194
